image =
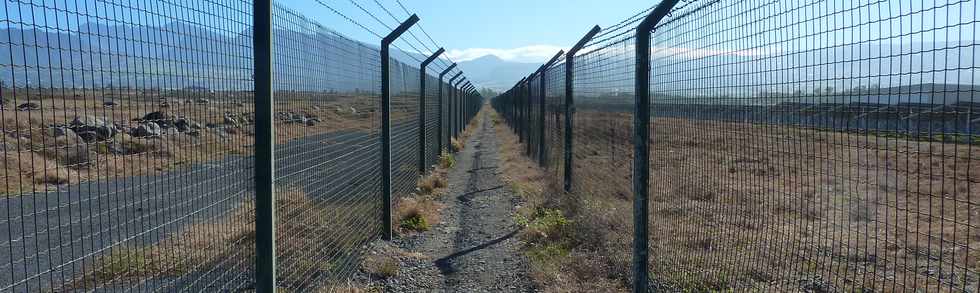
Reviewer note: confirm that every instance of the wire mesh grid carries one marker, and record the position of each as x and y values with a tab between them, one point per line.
554	128
127	142
601	192
432	116
533	118
404	128
327	170
816	145
105	128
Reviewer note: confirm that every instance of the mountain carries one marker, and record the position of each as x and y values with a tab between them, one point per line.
492	72
179	55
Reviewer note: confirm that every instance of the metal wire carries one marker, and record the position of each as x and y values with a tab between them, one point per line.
109	111
127	134
815	146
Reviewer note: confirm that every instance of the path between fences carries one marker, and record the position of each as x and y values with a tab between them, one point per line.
474	248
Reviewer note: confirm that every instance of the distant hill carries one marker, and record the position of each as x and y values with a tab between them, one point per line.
492	72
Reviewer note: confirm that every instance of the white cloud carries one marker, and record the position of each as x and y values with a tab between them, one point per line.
534	53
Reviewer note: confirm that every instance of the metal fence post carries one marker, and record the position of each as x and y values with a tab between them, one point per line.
464	118
439	126
422	164
542	103
449	111
386	232
641	147
570	103
457	102
519	109
265	198
527	116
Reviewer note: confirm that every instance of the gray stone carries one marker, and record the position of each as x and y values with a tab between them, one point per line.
92	128
231	121
186	124
147	129
29	106
162	119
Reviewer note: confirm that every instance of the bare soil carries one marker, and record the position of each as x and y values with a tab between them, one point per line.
474	248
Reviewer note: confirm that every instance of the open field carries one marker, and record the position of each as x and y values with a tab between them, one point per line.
737	205
73	136
74	231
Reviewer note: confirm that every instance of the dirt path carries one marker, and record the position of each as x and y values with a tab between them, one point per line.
474	249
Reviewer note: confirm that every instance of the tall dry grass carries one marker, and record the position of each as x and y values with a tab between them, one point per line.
737	206
313	237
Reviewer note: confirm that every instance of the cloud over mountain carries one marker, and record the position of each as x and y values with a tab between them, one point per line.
528	54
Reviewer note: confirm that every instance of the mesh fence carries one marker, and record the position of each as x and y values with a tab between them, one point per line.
432	146
109	112
404	128
328	174
819	146
844	137
554	120
127	142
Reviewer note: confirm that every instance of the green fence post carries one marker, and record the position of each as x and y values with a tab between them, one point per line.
265	199
570	104
422	164
641	145
386	232
542	103
439	125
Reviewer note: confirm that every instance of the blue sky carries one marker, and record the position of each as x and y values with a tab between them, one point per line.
518	30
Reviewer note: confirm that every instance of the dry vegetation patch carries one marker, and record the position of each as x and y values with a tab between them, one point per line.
311	237
745	206
188	126
555	236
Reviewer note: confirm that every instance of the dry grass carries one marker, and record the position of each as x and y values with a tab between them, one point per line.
763	207
307	230
771	208
457	144
447	160
417	214
381	266
432	183
27	135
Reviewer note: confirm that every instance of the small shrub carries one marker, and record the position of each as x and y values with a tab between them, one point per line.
430	184
447	160
543	254
417	214
414	223
547	226
457	145
381	266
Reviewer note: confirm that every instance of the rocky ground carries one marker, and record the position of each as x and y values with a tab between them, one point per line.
474	248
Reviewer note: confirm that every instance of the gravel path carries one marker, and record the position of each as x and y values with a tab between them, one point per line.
474	248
